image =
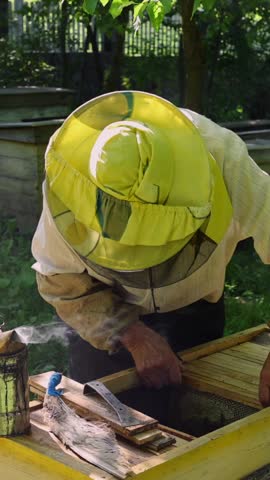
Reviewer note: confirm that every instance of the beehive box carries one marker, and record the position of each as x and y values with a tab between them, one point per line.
27	104
226	369
22	148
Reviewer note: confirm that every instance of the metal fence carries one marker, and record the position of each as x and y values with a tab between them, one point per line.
39	25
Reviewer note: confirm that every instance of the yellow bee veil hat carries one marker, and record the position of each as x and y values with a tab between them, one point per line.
130	181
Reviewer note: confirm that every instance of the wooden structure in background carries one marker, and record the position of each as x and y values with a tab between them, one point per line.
28	117
29	104
22	148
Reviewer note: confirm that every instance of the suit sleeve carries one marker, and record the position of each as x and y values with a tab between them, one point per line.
89	306
247	184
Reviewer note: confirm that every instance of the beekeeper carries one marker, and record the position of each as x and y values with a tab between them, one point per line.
144	205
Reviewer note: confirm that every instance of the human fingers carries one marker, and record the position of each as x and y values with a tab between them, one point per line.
176	372
264	385
154	377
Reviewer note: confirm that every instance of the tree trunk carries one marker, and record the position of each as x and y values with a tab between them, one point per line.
181	72
194	58
62	36
3	18
90	38
114	77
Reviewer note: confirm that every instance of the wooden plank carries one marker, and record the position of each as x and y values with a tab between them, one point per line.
93	405
17	186
203	380
121	381
211	386
30	114
29	132
13	148
253	348
35	405
177	433
16	167
220	381
244	125
127	379
242	356
161	443
255	357
222	343
18	461
231	452
230	362
146	437
255	134
224	372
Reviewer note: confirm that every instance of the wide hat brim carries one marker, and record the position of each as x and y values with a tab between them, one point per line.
196	198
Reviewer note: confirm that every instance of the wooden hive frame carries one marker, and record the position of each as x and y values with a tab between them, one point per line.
229	453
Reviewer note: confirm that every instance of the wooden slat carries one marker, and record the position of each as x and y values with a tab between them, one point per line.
29	132
225	373
222	343
93	406
226	391
161	443
242	356
257	358
258	351
230	362
206	379
127	379
35	405
177	433
146	437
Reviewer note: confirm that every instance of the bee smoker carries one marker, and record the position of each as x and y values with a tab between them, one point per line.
14	390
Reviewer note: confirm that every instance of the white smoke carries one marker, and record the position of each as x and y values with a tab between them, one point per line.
43	333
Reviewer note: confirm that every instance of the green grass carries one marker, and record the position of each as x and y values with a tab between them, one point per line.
247	292
20	302
247	295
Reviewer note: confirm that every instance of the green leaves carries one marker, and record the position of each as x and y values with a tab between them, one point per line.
207	5
156	9
90	6
117	7
139	9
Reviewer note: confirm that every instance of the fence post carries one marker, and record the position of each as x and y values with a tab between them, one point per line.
4	6
18	4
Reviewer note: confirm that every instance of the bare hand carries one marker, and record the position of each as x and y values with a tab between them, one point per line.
156	363
264	388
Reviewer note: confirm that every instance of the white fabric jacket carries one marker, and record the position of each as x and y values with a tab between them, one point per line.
99	306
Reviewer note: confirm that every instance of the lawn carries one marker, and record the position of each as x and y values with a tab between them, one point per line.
247	295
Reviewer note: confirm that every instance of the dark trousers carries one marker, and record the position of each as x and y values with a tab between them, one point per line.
198	323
